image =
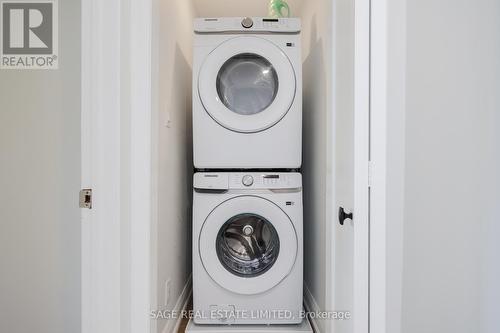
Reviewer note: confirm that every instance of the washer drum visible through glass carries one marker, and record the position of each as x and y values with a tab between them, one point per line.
247	245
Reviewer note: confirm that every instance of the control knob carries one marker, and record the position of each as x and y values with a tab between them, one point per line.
247	22
247	180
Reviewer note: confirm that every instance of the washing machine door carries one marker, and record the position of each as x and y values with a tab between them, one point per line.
248	245
247	84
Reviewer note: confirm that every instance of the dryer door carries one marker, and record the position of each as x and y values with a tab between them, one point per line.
247	84
248	245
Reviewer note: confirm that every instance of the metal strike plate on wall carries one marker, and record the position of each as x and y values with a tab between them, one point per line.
86	198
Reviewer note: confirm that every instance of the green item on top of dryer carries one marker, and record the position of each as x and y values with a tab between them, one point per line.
279	8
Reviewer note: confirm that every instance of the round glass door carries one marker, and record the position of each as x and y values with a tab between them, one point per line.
247	238
247	245
247	84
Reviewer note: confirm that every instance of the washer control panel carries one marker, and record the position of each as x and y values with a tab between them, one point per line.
247	181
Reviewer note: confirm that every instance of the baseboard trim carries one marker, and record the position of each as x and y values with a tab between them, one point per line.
311	305
181	304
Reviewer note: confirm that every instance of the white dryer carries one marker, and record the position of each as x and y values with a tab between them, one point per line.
247	248
247	93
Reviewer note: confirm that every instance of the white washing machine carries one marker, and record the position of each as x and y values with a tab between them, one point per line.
247	93
247	248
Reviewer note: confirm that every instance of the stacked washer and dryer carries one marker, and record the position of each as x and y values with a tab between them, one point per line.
247	198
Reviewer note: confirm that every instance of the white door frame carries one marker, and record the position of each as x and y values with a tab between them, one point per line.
101	167
378	153
116	164
387	161
380	38
361	165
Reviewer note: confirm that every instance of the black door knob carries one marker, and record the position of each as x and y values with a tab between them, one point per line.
343	215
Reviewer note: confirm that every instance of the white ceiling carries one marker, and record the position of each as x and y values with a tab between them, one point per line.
222	8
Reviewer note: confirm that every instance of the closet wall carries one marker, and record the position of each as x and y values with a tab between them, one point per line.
173	164
316	169
241	8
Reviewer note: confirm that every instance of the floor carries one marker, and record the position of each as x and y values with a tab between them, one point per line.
184	322
182	327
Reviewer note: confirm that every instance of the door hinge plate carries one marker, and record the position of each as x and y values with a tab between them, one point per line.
86	198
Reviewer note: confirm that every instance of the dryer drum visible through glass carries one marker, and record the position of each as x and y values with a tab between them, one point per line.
247	84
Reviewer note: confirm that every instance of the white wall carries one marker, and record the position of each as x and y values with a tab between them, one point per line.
451	268
173	153
40	180
395	162
242	8
316	78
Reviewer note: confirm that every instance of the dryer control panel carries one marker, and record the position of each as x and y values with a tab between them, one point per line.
247	180
247	25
